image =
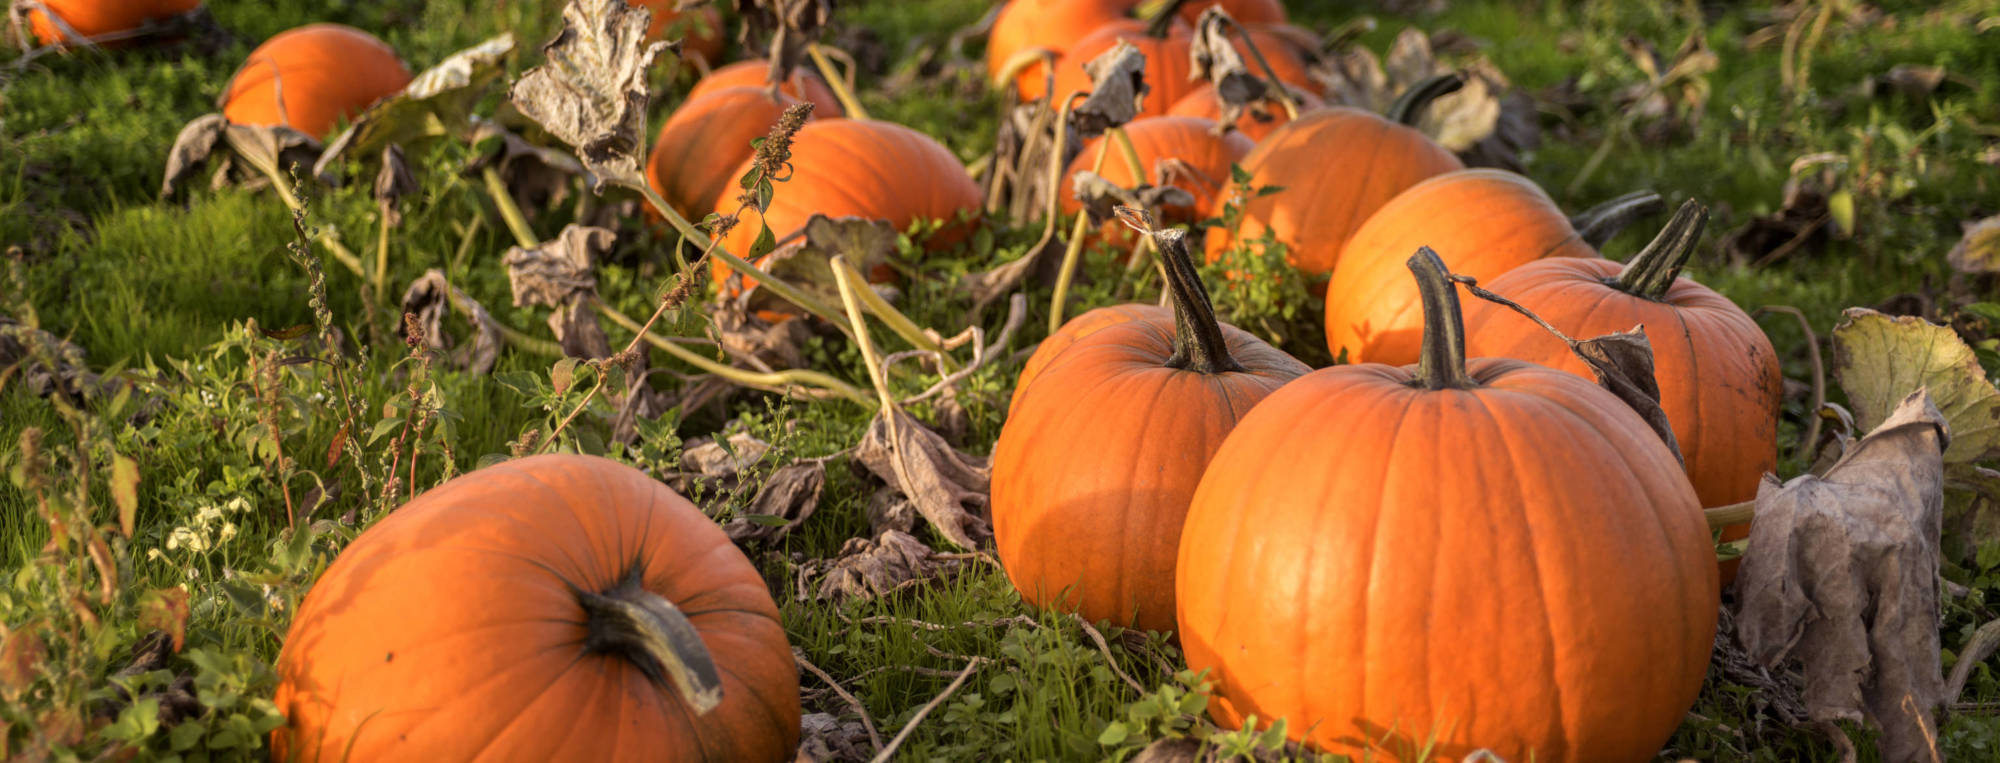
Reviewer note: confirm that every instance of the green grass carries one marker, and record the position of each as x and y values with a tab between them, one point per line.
164	289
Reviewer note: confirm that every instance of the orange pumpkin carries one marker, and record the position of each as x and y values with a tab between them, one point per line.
1201	102
311	77
707	138
1073	330
1718	374
1051	25
1203	158
756	72
1167	66
1337	166
1496	553
700	33
1244	11
557	606
862	168
1098	457
95	18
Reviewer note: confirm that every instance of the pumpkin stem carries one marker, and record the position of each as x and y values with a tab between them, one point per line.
1600	223
1652	271
1409	107
650	632
1442	365
1198	342
1162	20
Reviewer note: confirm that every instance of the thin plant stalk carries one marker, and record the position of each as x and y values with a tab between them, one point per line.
840	86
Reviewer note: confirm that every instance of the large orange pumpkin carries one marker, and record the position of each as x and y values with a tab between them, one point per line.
1204	159
706	139
311	77
1337	166
1051	25
1496	554
1719	378
1167	65
1104	446
1486	221
756	72
556	606
700	33
1072	331
95	18
862	168
1201	102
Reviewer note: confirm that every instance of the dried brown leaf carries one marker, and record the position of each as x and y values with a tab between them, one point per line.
1118	90
783	501
591	93
1623	363
22	654
988	286
807	264
870	567
1841	571
430	298
1213	57
392	182
1487	122
889	509
824	738
764	344
436	103
47	364
950	489
236	151
1101	197
718	464
1979	250
786	28
537	177
560	274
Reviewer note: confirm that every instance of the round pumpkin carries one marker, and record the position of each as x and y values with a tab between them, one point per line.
756	72
1073	330
557	606
1204	161
706	139
1051	25
1103	448
1255	123
1243	11
700	32
1719	378
1496	553
96	18
861	168
311	77
1167	65
1336	166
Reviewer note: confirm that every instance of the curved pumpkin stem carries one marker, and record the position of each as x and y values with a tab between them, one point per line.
1442	365
1409	107
1198	342
1601	223
1162	20
1652	271
650	632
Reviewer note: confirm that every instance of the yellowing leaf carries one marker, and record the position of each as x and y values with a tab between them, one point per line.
1881	359
1979	251
125	490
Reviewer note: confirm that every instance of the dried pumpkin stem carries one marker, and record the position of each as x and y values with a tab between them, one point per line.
1162	20
842	87
778	381
1282	93
1409	107
1653	270
650	632
846	279
1442	364
1130	154
1599	224
503	199
1067	271
1733	514
1198	341
714	248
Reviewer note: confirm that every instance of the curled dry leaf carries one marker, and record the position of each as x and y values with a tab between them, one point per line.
591	93
806	265
1879	360
1623	363
430	298
1842	572
1979	251
1674	93
870	567
1101	198
537	177
436	103
950	489
786	26
1212	57
889	509
782	502
762	344
1487	122
1118	89
392	182
239	153
711	465
559	274
824	738
45	363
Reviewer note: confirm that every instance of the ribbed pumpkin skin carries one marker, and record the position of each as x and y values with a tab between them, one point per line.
91	18
1072	330
1337	166
1167	62
328	72
704	35
1098	458
864	168
1051	24
1200	102
803	85
1519	567
1719	377
1154	139
1244	11
449	629
1483	222
707	138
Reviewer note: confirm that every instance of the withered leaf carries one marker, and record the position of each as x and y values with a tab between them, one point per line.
1118	88
786	26
988	286
869	567
1623	363
191	149
436	103
1979	250
747	335
718	463
537	177
1879	360
949	488
1801	220
1213	57
213	140
430	298
1102	197
1842	571
807	264
1487	122
392	182
889	509
824	738
559	274
591	93
783	501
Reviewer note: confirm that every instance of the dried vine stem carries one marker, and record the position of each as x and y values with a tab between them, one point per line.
874	737
884	754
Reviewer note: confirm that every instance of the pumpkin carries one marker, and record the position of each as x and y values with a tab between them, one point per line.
1203	158
1719	378
557	606
707	138
1489	221
311	77
803	85
1497	553
1051	25
862	168
96	18
1244	11
1073	330
700	33
1167	65
1201	102
1103	448
1337	166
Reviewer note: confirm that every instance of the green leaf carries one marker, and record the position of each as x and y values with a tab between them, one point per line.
765	242
520	381
1115	733
1881	359
383	427
125	490
185	736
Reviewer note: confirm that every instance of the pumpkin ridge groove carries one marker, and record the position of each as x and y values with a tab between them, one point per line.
554	679
1559	719
1375	554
